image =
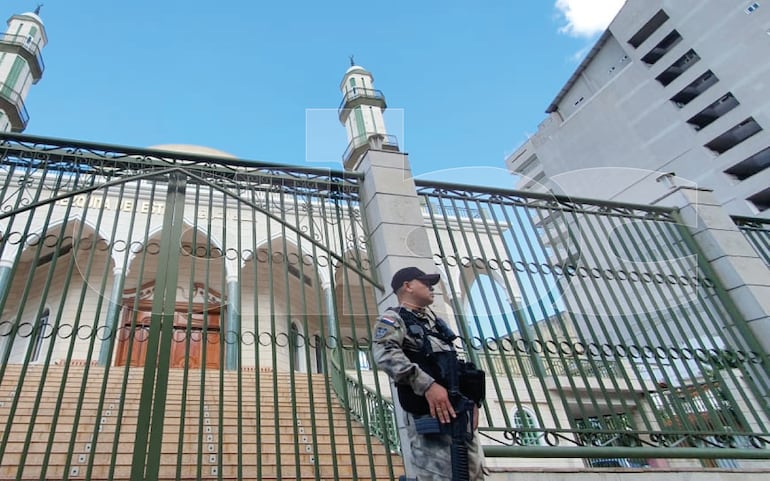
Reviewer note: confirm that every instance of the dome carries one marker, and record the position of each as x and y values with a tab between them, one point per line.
356	67
33	16
192	149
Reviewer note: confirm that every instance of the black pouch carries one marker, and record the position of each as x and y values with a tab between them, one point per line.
472	382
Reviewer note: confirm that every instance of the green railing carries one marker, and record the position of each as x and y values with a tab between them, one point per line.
175	315
171	315
586	313
365	404
757	232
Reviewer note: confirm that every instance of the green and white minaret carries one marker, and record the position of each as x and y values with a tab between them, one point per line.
21	66
361	112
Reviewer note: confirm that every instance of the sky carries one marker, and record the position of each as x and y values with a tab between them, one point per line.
465	82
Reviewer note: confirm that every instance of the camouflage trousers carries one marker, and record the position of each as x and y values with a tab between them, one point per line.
432	457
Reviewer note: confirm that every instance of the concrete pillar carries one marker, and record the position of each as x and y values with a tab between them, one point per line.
740	269
6	269
397	236
233	328
113	317
331	314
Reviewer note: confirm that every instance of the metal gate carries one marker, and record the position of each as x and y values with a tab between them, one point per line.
170	315
606	333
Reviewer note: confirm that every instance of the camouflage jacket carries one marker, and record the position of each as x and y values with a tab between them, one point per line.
391	340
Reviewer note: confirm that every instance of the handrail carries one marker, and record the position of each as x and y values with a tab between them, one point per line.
359	141
365	403
15	98
22	40
357	92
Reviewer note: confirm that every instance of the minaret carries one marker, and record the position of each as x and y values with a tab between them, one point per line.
361	113
21	65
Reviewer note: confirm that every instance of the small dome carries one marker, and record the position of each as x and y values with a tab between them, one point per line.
192	149
356	67
33	16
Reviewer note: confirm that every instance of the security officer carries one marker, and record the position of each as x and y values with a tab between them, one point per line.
399	348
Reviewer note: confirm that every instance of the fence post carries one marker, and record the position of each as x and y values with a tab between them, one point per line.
741	271
397	235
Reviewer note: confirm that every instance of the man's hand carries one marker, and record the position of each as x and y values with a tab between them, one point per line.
438	401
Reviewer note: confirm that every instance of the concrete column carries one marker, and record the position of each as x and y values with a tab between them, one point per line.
113	317
332	315
5	285
740	269
233	329
397	236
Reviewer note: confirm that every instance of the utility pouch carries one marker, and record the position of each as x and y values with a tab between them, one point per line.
472	382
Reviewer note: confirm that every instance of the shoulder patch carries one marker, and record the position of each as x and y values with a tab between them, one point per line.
389	322
380	333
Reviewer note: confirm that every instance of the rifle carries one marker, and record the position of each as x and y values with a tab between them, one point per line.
461	427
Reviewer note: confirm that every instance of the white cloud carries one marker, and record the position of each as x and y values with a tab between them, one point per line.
585	18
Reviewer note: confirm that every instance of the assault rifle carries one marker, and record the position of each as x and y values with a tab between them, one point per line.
461	427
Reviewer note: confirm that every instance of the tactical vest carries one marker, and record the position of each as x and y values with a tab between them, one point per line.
423	357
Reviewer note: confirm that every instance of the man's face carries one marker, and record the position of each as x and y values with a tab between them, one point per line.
420	292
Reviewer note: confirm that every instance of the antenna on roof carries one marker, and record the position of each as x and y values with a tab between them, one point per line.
352	62
37	10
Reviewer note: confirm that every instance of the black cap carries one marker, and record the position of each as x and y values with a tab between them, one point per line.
411	273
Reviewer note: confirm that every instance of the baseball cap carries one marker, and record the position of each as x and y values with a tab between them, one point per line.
411	273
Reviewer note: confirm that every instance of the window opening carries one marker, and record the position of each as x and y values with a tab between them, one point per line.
41	330
734	136
648	28
678	68
694	88
662	48
750	166
715	110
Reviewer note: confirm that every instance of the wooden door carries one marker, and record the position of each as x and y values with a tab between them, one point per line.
193	342
189	346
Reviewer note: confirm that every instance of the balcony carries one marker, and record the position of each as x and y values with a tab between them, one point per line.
13	105
359	96
23	46
362	143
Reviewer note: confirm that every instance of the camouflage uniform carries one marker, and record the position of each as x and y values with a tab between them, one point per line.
431	453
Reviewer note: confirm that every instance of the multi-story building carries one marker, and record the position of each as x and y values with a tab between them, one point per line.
671	87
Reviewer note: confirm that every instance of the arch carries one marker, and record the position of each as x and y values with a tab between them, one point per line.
486	302
525	418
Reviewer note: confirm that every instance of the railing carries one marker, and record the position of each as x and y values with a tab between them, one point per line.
757	232
364	403
604	334
15	99
577	308
361	142
356	93
24	42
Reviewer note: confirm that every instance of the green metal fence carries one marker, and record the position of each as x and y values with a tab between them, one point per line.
757	232
605	334
168	315
171	315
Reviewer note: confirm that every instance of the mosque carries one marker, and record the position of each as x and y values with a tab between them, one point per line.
174	312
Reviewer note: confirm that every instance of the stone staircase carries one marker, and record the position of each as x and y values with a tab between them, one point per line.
81	426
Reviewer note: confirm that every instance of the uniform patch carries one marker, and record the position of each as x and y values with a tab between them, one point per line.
380	332
387	321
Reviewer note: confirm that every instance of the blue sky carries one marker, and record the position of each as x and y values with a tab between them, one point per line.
465	82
